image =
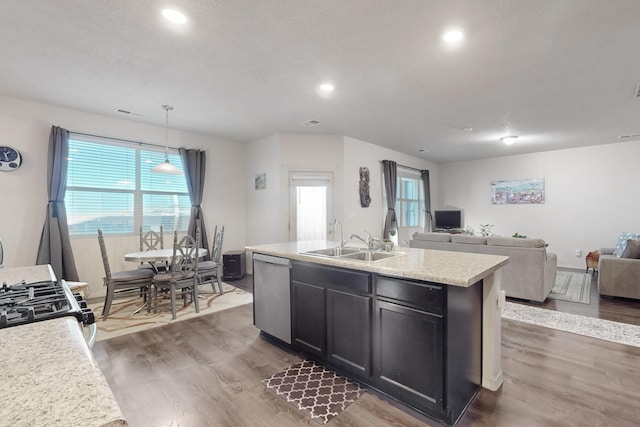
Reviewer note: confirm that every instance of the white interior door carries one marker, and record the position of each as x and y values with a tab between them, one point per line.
310	205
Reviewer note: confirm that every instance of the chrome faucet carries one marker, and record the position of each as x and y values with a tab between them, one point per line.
368	241
342	241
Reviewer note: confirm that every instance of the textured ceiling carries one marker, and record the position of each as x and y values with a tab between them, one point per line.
558	73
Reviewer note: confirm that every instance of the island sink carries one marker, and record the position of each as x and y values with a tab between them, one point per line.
333	252
353	254
371	256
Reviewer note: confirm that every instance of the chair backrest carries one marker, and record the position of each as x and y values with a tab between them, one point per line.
217	244
105	259
185	253
151	240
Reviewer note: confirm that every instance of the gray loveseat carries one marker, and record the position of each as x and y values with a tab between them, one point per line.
618	277
530	272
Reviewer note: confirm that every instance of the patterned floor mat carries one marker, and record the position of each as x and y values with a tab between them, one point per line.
315	390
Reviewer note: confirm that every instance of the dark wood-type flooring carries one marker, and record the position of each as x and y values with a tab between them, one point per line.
207	371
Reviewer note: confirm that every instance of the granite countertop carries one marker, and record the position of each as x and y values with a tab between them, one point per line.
50	378
451	268
49	375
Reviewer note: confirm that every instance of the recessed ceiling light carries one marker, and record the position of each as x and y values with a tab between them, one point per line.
327	87
174	16
509	139
453	36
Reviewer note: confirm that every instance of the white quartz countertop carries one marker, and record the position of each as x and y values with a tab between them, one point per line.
451	268
49	375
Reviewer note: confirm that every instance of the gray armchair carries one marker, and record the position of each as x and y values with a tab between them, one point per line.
618	277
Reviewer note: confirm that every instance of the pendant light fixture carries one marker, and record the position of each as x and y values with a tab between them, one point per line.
166	167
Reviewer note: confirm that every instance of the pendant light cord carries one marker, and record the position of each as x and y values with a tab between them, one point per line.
167	108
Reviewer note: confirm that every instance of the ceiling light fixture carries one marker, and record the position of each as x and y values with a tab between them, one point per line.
166	167
453	36
327	87
174	16
509	139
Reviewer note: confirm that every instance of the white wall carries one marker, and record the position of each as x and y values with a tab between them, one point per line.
262	206
360	153
26	126
590	196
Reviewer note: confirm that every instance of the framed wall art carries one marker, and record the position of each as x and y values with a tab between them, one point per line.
517	191
261	181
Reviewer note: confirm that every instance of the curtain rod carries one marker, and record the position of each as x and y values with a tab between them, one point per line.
123	140
407	167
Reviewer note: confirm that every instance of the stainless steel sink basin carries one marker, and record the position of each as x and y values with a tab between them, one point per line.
371	256
333	252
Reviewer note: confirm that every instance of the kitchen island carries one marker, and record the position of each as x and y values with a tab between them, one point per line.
50	377
421	326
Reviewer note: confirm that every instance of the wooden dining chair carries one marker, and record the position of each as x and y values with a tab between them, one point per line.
211	271
182	277
120	282
149	241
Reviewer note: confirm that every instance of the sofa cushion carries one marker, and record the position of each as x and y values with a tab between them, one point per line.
622	242
469	240
433	237
632	250
516	242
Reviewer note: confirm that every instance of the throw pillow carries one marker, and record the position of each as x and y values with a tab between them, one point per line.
622	242
632	250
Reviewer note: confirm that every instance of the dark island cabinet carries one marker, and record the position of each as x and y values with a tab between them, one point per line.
308	317
409	355
331	315
349	332
418	342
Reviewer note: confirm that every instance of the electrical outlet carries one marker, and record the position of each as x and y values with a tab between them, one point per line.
578	252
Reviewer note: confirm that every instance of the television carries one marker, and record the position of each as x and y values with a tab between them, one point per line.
447	220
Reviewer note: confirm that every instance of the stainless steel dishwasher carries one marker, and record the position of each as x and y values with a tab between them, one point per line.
271	296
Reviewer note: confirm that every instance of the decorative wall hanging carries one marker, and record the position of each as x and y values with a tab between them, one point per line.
261	181
365	199
518	191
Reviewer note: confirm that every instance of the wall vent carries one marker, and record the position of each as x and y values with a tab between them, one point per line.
128	113
631	135
311	123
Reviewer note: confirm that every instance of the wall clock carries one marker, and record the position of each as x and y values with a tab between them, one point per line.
10	159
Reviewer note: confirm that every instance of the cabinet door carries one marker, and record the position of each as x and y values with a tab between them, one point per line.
349	332
308	317
409	354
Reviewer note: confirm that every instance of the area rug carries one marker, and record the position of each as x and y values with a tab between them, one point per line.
572	286
122	321
313	389
622	333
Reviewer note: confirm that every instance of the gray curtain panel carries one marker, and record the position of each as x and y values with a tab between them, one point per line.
55	245
389	169
426	185
194	163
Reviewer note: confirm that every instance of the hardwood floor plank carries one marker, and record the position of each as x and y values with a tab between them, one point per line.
207	371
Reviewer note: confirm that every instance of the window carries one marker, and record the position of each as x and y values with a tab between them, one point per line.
409	207
409	200
110	186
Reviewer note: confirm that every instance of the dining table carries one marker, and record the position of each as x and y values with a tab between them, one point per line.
155	256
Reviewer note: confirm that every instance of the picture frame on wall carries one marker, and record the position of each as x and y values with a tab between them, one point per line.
518	191
261	181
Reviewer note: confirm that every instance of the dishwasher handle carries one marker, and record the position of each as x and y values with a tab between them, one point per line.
285	262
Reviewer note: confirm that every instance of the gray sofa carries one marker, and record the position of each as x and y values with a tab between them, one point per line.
618	277
530	272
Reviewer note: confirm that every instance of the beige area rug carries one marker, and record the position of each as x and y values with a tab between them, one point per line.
572	286
121	321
